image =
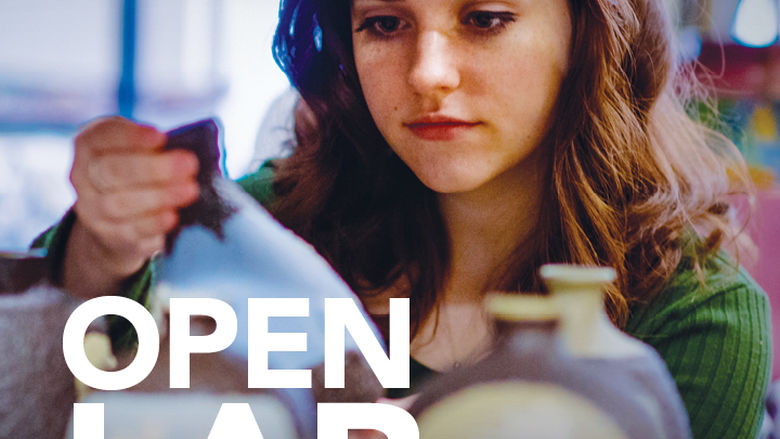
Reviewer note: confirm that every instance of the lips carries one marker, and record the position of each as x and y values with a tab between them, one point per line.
439	128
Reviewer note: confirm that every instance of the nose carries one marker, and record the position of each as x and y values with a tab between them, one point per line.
434	73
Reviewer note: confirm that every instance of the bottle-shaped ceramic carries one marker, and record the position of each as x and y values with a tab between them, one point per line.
589	335
586	329
528	386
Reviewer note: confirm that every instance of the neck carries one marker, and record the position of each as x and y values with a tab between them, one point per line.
486	226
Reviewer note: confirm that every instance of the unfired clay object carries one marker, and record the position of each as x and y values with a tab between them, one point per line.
229	248
185	416
586	329
530	357
36	387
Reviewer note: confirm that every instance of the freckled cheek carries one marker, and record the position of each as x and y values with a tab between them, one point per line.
377	99
382	89
527	83
522	90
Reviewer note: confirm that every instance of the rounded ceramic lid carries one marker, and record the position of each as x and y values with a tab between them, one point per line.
577	274
508	306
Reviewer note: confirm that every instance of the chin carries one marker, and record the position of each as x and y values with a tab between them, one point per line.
449	182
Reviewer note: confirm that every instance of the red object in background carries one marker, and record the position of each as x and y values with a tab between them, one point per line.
753	73
739	71
764	228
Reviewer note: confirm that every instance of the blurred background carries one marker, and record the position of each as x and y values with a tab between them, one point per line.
164	62
170	62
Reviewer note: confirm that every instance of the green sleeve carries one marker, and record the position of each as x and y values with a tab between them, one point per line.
715	339
53	241
137	287
259	184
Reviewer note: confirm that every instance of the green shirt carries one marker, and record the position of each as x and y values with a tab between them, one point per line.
715	340
714	335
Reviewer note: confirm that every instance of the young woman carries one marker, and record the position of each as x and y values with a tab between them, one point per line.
450	147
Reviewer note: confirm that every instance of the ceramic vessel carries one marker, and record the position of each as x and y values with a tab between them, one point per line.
36	387
531	385
586	329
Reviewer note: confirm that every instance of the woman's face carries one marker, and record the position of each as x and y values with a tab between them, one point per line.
462	90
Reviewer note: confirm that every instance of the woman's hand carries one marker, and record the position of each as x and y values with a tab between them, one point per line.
128	193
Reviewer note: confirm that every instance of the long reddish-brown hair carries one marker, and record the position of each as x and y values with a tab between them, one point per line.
628	171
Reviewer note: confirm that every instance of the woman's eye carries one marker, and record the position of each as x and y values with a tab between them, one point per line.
489	21
383	25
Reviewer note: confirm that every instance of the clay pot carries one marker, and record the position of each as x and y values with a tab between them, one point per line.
36	387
